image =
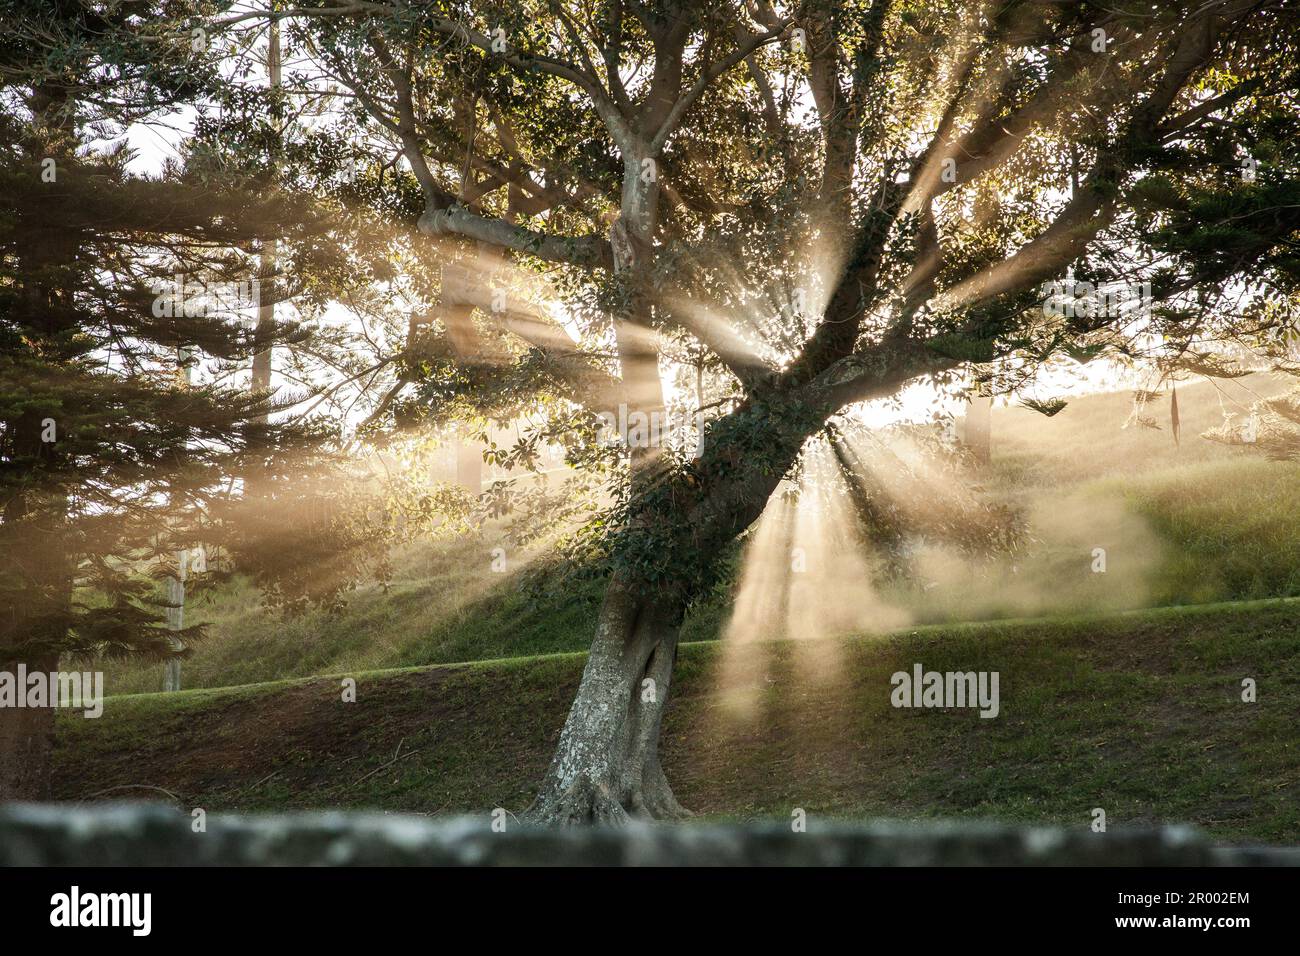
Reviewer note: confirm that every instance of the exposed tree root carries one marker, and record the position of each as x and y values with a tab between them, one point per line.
658	796
583	802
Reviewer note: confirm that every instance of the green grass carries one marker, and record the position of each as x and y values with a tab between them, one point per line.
1215	531
1220	530
1232	530
1137	713
444	605
1180	523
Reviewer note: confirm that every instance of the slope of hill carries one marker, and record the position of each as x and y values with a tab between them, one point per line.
1094	435
1138	714
1194	523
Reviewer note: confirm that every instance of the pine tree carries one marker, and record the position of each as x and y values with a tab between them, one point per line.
114	467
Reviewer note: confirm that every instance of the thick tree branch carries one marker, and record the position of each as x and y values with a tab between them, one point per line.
707	76
588	252
444	216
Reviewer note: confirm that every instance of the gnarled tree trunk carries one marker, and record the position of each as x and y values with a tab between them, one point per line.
606	767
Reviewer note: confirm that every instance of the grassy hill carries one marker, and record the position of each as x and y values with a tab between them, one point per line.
1139	714
1194	523
1091	438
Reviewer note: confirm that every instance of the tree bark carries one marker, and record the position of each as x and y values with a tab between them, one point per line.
979	428
606	767
26	740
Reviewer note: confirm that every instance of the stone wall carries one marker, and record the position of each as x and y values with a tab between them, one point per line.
154	835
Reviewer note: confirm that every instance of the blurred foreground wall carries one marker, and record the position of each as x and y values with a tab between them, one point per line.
151	834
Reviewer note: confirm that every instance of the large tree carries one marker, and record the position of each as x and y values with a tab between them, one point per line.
815	204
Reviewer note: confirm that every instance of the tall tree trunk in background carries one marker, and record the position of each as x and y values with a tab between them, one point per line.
261	381
27	738
175	621
978	435
35	550
176	584
469	465
255	484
